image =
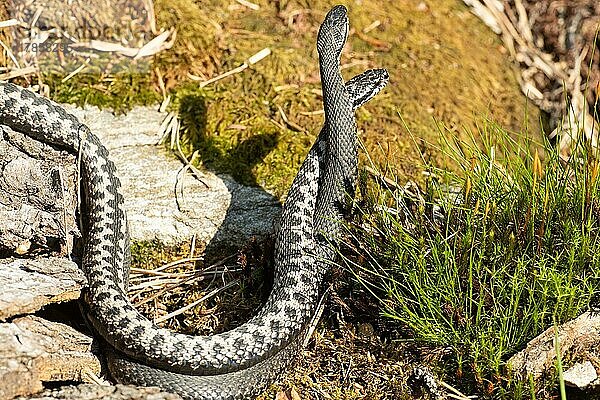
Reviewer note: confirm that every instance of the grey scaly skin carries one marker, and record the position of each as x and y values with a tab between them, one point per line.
239	363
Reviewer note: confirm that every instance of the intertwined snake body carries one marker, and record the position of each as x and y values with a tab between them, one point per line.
241	362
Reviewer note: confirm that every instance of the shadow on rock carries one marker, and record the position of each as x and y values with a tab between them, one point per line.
250	212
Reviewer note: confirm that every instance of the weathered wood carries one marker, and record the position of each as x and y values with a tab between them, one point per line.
37	196
98	392
27	285
579	339
34	350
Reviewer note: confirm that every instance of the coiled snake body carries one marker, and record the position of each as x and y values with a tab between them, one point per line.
241	362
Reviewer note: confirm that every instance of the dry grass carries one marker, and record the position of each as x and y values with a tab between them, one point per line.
173	287
354	353
4	37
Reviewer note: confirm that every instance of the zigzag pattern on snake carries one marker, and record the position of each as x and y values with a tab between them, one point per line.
238	363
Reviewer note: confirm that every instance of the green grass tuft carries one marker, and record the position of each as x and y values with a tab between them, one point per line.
485	258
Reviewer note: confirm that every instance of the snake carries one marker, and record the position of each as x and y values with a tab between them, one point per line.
242	362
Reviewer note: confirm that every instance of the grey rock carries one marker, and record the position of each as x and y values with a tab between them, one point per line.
165	204
582	375
27	285
34	350
87	391
579	339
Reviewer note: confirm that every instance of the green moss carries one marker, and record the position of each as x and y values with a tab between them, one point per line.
119	92
149	254
445	66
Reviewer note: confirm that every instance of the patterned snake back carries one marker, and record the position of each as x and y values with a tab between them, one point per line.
241	362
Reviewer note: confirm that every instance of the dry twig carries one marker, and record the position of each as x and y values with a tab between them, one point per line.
247	64
577	122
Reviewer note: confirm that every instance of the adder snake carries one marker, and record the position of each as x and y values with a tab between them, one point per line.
241	362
